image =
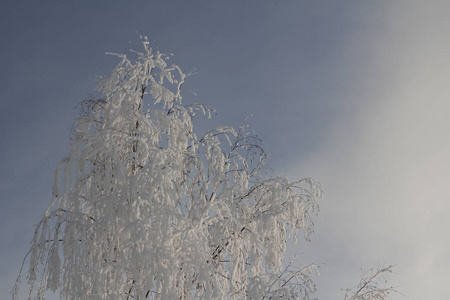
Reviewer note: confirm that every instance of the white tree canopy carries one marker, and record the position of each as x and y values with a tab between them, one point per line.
144	209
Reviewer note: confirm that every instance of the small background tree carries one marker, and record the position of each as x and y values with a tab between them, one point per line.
143	208
369	287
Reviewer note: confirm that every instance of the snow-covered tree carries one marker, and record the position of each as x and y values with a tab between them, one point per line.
143	208
369	287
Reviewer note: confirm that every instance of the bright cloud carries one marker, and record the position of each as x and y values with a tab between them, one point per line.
385	166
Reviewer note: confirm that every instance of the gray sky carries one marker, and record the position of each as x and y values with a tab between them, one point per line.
351	93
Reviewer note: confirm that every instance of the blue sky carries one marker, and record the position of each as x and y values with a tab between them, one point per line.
351	93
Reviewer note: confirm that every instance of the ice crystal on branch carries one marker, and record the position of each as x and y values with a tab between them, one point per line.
144	209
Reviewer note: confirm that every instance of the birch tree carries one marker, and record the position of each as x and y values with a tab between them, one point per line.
143	208
369	287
